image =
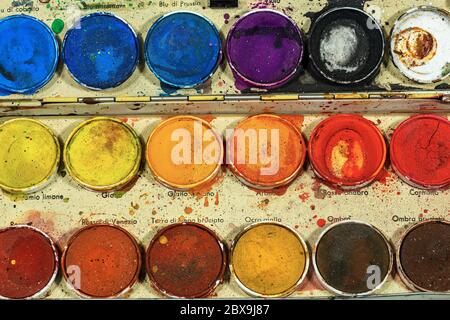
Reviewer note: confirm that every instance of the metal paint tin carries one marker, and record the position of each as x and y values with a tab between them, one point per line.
419	44
197	166
28	256
291	151
101	51
419	151
347	151
30	156
357	243
346	45
183	49
29	54
264	49
270	239
107	255
423	257
103	154
186	260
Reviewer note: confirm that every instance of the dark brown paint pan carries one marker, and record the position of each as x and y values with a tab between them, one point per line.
352	258
346	45
423	257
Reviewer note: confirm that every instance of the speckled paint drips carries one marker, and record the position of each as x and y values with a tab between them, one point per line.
183	49
101	51
28	54
265	49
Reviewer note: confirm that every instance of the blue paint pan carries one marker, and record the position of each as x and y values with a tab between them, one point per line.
29	54
101	51
183	49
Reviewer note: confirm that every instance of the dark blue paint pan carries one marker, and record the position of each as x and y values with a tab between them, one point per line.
101	51
183	49
29	54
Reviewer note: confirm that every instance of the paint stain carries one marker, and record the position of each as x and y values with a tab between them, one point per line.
57	26
188	210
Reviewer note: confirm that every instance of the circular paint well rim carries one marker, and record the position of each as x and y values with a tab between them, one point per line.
126	289
262	185
414	182
41	293
117	19
339	292
288	291
375	69
111	187
220	277
191	186
339	183
219	54
48	179
55	62
401	271
253	83
395	28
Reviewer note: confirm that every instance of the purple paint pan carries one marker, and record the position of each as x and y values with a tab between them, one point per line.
264	49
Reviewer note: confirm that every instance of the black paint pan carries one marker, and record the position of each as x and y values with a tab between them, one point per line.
346	45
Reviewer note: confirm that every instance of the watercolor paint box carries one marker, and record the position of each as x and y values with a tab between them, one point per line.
308	206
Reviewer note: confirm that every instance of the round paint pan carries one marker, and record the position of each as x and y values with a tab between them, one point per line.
184	153
103	154
269	260
183	49
281	160
101	261
101	51
29	157
29	54
347	151
423	257
186	260
419	151
346	45
28	264
352	258
264	49
419	44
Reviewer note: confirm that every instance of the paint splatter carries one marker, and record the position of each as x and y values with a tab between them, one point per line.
304	196
188	210
57	26
321	223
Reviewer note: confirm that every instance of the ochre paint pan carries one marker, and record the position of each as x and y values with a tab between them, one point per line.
346	45
423	257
